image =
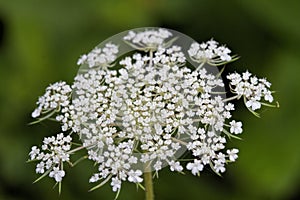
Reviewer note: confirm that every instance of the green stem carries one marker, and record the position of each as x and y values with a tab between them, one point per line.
148	185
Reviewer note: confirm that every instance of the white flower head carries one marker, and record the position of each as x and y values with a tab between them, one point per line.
209	52
251	88
53	154
57	95
139	110
148	39
100	57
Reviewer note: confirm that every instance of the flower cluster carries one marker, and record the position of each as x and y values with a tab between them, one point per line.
147	40
56	96
116	162
100	57
171	56
53	153
206	146
250	87
209	52
144	113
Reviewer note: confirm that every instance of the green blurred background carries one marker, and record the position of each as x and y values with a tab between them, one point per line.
40	42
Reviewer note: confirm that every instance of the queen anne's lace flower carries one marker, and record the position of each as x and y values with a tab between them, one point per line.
57	95
148	40
209	52
195	167
115	184
53	153
236	127
232	154
100	57
141	113
251	88
57	174
134	176
171	56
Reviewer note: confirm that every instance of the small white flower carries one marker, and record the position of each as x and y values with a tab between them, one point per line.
246	75
158	129
236	127
229	107
94	178
57	174
219	166
268	96
232	154
116	184
34	152
158	165
36	112
134	176
40	168
265	82
175	166
82	59
253	104
195	167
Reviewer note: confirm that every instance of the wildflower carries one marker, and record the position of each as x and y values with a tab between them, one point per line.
53	154
141	112
57	174
116	184
209	52
195	167
100	57
232	154
147	40
134	176
56	96
236	127
175	166
252	89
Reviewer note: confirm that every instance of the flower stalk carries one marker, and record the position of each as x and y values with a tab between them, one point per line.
149	193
